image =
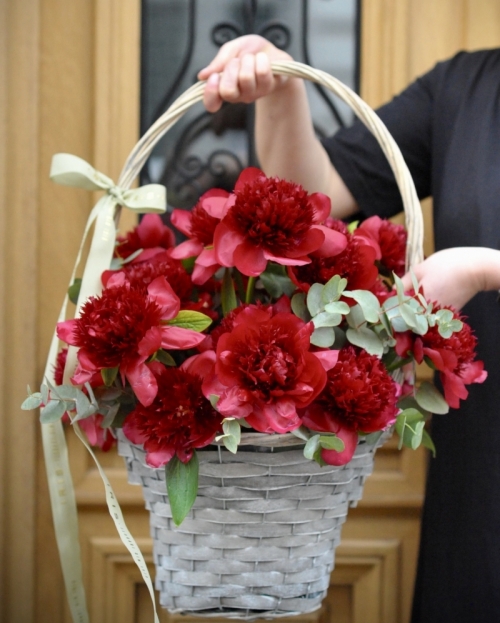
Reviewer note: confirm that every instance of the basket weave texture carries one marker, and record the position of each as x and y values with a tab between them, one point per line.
260	539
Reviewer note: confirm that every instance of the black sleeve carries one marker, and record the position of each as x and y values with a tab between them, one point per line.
361	163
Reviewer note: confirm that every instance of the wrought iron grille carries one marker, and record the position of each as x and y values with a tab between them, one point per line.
179	37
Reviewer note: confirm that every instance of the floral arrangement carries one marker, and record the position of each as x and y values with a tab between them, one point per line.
271	316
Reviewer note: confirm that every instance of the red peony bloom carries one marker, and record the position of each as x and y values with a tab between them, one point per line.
454	357
264	370
272	219
60	365
356	263
199	226
180	418
151	235
389	241
97	435
359	396
141	274
122	328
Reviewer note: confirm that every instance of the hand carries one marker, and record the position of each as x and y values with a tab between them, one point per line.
241	72
453	276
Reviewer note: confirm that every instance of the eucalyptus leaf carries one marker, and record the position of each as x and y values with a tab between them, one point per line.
34	401
232	428
367	339
325	319
400	289
333	289
414	282
44	389
355	318
230	443
214	399
408	315
302	433
431	399
84	408
53	411
110	415
277	285
428	443
182	486
311	446
314	299
299	307
368	302
187	319
323	337
337	307
66	392
331	442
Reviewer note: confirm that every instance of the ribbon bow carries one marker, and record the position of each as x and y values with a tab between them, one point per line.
70	170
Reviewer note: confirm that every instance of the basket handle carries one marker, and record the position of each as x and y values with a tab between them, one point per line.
411	203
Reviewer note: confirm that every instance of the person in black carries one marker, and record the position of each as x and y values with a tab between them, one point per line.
447	125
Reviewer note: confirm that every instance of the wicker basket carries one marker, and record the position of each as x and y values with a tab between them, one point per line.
261	537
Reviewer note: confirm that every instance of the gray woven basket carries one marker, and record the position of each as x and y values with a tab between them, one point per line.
260	539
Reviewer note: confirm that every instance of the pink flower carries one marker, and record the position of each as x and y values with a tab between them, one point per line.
264	370
97	435
272	219
359	396
199	226
389	241
180	418
122	328
151	235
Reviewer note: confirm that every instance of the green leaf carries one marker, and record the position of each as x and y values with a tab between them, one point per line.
323	337
182	486
368	302
325	319
84	408
331	442
431	399
428	443
52	412
34	401
302	433
333	289
109	375
314	299
408	315
186	319
415	284
74	290
228	294
353	225
311	446
400	289
277	285
338	307
109	414
165	357
299	306
232	428
230	443
367	339
410	426
214	399
65	392
355	318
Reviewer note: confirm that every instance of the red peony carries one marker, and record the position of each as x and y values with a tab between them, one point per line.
453	357
151	235
272	219
264	370
122	328
359	396
180	418
199	226
356	263
388	239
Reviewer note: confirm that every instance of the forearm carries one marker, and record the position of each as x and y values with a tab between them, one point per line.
288	147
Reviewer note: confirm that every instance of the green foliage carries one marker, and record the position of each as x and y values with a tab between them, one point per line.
74	290
187	319
228	294
182	486
232	434
430	398
276	281
410	428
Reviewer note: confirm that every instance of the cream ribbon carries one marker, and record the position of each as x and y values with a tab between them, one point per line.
70	170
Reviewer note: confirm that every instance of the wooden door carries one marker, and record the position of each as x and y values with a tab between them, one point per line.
69	78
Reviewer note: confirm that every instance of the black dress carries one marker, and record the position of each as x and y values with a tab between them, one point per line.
447	125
